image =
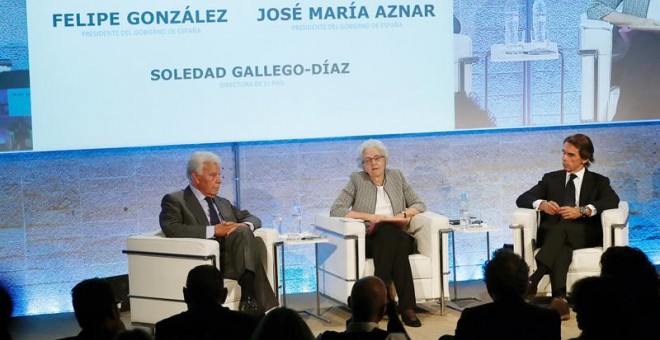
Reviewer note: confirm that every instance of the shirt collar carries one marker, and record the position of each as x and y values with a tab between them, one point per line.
200	196
579	174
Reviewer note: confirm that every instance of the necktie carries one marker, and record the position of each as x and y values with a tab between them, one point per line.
569	193
213	215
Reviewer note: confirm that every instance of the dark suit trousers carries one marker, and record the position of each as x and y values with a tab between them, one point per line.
557	243
239	253
390	246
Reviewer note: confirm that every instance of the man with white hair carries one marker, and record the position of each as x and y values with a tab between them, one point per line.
198	211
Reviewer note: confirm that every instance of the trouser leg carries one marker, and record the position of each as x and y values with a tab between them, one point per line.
390	247
559	272
240	261
556	252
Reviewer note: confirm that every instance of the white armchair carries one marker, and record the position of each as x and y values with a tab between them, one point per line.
586	262
598	99
158	267
342	260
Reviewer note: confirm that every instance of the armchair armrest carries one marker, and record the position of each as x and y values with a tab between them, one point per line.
615	225
157	243
268	238
340	225
524	224
425	227
158	265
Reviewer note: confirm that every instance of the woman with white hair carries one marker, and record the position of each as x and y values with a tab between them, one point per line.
383	198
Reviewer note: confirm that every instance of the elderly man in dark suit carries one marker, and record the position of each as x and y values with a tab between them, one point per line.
198	212
570	201
206	318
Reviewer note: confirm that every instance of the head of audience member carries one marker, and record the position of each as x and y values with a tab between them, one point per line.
506	276
6	308
368	300
95	306
373	157
603	308
204	172
635	272
204	288
578	152
133	334
282	323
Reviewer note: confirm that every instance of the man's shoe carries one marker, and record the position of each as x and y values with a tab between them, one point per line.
561	306
410	320
249	306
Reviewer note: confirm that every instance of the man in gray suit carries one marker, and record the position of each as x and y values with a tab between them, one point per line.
198	211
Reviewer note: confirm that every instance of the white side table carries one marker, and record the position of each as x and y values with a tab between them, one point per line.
281	244
528	54
454	302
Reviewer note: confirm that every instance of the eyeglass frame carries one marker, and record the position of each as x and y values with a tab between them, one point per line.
370	160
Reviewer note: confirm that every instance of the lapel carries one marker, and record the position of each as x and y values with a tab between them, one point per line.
587	188
195	208
368	188
225	211
391	189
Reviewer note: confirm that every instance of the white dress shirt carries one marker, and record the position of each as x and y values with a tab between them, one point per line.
578	186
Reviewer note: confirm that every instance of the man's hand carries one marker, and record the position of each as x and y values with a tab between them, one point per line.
549	207
570	213
224	228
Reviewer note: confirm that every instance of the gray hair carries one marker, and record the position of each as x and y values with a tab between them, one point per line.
197	160
373	143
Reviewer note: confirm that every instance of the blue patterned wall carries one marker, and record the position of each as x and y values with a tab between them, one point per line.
65	216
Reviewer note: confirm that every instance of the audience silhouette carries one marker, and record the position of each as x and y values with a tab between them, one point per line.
283	324
636	273
134	334
206	318
95	308
603	308
509	316
370	301
6	308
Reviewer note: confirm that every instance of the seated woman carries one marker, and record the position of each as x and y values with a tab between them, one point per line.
383	198
637	43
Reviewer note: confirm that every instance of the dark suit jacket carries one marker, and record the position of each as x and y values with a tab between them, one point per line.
595	190
508	320
217	323
181	214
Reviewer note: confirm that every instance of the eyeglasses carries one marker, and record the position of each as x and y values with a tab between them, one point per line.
370	160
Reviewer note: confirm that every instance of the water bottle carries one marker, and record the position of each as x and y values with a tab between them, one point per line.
277	223
296	223
278	220
539	23
512	43
464	212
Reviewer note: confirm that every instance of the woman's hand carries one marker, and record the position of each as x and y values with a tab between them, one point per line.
401	222
645	22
